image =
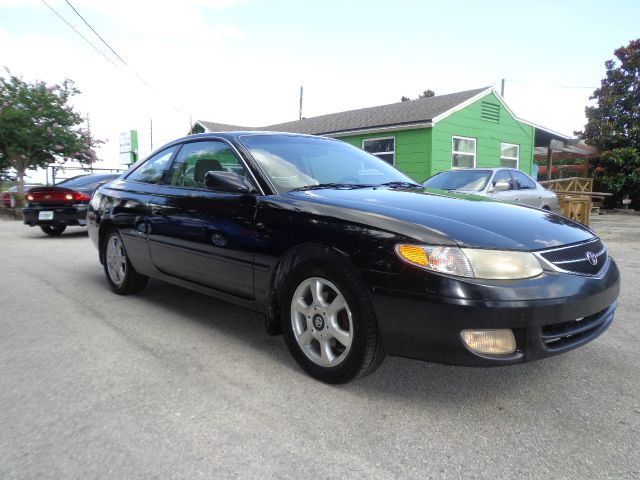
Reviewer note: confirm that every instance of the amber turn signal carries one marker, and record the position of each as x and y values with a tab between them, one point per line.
413	254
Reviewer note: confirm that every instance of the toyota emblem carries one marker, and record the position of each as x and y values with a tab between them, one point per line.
593	259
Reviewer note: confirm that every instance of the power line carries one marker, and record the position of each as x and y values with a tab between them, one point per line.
82	36
112	50
108	46
97	34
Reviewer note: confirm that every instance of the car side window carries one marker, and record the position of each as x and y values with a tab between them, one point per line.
523	182
197	158
503	176
153	170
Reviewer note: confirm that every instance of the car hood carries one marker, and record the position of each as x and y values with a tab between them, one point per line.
467	220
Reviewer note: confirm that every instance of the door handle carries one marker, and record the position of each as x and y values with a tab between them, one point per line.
517	199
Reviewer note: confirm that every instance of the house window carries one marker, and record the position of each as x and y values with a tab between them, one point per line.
509	155
383	148
463	152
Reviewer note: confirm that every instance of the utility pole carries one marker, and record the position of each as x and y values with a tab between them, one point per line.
300	115
502	88
151	132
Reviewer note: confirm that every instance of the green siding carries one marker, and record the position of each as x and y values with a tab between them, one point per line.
412	150
423	152
468	122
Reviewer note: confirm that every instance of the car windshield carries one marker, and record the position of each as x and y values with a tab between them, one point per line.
293	162
87	181
466	180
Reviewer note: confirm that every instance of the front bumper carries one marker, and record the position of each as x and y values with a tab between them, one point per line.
73	215
549	315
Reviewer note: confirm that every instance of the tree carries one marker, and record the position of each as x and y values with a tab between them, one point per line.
38	127
613	125
425	94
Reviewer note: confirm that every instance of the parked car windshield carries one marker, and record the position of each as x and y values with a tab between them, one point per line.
467	180
294	162
87	181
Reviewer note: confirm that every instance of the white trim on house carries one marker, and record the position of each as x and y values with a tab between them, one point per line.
527	122
198	122
462	105
442	116
372	139
516	158
453	152
545	129
394	128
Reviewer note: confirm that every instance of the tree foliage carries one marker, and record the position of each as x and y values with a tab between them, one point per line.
39	127
613	125
425	94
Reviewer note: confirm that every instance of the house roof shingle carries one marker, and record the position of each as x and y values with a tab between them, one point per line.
422	110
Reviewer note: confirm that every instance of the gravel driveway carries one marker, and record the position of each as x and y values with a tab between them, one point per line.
173	384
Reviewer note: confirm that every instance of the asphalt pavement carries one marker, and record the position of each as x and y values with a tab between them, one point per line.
173	384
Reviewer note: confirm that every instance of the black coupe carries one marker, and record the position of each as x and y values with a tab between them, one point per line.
349	258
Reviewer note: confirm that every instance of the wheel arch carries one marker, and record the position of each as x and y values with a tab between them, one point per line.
105	227
288	261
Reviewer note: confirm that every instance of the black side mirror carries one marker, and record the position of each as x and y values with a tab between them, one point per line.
221	181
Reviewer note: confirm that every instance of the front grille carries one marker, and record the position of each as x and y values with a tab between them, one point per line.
565	335
583	259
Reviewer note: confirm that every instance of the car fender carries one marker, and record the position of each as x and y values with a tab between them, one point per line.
289	260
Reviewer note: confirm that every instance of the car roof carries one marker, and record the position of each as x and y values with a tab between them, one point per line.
493	169
235	135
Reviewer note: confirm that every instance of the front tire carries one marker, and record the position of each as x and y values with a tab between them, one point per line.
121	275
329	323
53	230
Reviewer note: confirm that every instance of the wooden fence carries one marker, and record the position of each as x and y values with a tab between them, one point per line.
575	196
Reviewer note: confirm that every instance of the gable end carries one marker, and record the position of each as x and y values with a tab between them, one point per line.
490	112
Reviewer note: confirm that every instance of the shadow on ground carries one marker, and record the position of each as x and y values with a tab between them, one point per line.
34	233
397	377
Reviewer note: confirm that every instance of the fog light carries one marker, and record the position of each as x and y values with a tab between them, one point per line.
490	342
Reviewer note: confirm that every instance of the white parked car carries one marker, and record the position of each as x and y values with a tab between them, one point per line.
505	184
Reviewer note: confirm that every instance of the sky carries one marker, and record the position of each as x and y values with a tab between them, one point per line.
243	61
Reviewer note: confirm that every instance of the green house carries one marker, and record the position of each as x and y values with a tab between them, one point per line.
421	137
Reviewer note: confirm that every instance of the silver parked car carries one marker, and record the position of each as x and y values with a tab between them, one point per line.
505	184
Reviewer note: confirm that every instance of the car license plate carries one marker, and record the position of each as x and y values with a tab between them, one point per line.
45	216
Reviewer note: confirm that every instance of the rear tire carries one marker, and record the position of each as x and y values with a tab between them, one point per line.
121	275
53	230
329	322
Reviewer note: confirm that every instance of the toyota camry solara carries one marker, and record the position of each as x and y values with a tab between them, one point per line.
349	258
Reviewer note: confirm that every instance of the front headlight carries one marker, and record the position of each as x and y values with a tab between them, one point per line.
471	262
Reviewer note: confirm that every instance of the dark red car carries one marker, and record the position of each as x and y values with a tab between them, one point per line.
9	197
54	208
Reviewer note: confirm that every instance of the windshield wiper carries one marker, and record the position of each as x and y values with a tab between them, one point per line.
340	186
401	185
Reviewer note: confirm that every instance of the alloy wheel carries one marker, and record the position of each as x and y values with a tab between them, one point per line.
116	259
321	322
